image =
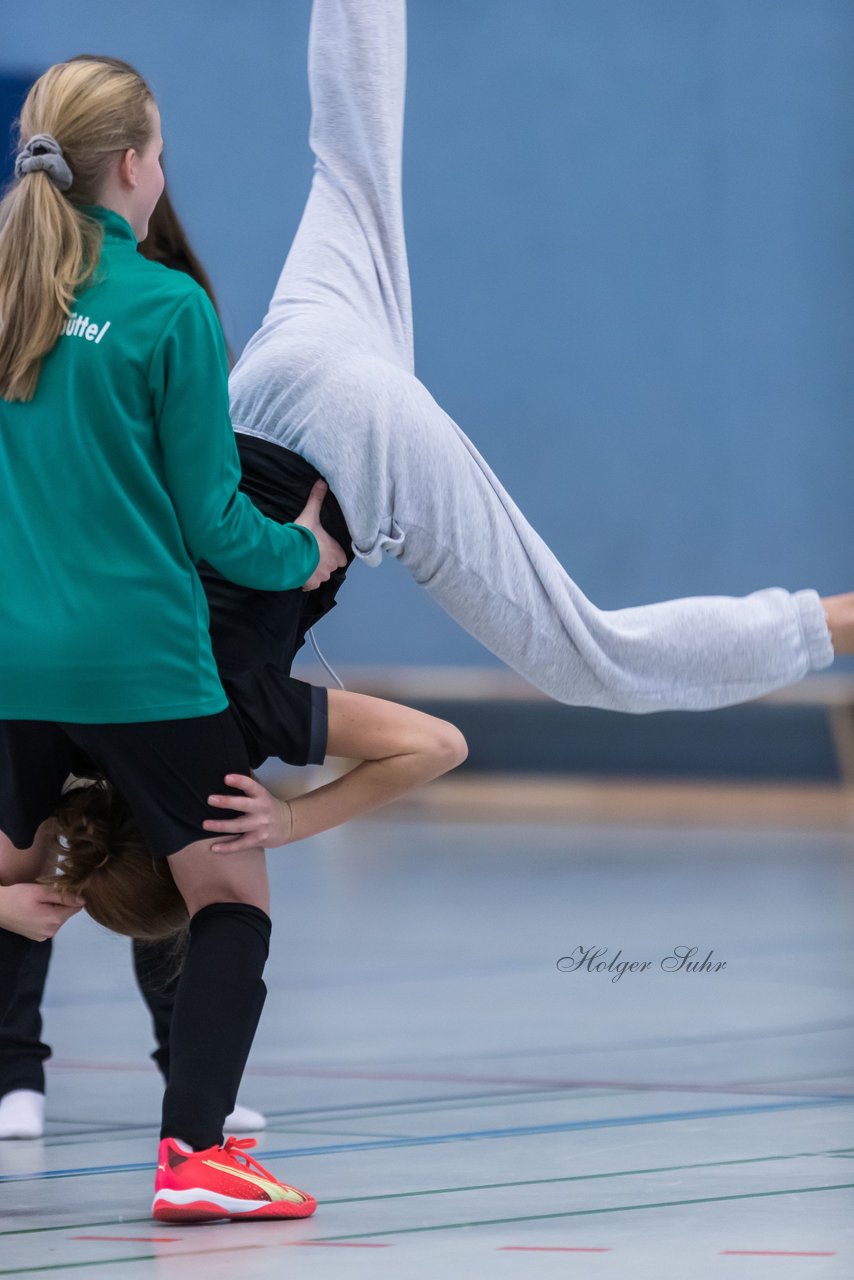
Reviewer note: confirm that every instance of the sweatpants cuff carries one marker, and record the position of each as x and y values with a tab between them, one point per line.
815	630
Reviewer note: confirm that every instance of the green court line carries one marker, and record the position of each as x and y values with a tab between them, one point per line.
580	1213
464	1104
92	1262
442	1226
384	1111
576	1177
486	1186
76	1226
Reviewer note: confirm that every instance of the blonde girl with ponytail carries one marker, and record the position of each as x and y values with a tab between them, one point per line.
120	475
49	247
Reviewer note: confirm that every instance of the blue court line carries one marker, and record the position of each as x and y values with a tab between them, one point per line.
353	1110
473	1135
384	1109
107	1129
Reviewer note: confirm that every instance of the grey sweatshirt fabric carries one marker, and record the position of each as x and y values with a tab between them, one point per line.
330	375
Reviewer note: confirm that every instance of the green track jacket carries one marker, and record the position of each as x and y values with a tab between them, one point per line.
115	479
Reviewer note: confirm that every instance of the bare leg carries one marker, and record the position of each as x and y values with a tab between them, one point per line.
204	877
345	283
839	611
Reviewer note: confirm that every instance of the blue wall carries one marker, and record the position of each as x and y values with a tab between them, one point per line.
631	253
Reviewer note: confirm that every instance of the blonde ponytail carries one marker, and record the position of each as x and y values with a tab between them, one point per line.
49	249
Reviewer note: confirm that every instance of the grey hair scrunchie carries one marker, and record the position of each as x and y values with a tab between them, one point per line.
44	152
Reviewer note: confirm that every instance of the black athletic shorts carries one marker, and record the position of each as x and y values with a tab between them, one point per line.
257	634
165	769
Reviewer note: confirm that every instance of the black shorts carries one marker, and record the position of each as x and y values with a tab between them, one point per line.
256	634
165	769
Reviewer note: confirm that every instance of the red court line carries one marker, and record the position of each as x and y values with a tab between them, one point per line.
550	1248
133	1239
779	1253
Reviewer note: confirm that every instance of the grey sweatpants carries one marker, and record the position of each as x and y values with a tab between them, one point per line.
330	375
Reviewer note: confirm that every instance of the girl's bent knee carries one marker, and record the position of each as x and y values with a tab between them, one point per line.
204	877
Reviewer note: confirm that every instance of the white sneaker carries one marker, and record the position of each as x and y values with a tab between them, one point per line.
244	1120
22	1114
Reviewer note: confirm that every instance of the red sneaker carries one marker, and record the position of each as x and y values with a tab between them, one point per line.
221	1182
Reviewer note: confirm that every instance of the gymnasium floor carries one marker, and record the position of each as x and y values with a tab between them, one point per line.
460	1105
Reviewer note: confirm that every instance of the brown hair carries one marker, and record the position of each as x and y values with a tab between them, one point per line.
105	861
95	108
168	244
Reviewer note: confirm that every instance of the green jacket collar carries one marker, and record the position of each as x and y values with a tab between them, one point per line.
115	226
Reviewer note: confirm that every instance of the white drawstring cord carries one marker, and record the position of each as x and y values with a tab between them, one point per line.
320	656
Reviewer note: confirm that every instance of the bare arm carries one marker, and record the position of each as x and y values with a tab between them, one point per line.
24	866
399	749
36	910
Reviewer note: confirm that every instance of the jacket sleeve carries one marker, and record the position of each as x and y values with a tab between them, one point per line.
188	377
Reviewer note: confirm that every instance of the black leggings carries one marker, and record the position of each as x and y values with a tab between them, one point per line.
22	1050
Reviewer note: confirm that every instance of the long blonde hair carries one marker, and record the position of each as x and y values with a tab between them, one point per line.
48	247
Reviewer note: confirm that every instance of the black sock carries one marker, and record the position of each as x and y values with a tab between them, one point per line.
158	966
14	952
218	1004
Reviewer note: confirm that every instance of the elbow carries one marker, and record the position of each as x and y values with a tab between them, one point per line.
448	748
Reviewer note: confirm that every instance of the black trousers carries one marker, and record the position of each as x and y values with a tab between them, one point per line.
23	1052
